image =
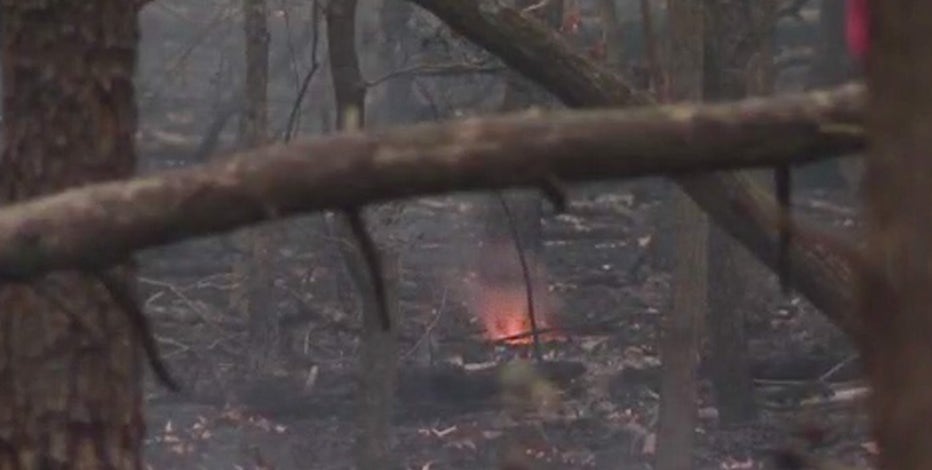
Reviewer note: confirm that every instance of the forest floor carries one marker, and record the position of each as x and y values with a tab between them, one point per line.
610	288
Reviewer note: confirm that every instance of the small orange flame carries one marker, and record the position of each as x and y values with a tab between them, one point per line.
504	314
498	296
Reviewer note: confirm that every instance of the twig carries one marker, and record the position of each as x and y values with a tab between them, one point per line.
430	327
370	254
181	347
177	291
215	281
306	311
537	6
837	367
306	82
827	206
525	334
120	293
286	15
600	328
783	181
436	69
552	189
528	290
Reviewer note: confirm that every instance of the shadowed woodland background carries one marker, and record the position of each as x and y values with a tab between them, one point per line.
663	341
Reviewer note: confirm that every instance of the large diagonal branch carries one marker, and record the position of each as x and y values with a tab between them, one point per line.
735	204
91	227
530	47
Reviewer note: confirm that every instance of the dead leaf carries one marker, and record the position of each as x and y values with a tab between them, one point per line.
650	444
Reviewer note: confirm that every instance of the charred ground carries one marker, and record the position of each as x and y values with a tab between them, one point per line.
604	273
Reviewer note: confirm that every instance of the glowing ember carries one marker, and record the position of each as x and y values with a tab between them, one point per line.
503	312
497	295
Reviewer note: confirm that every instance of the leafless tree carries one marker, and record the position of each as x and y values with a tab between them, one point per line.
681	327
71	396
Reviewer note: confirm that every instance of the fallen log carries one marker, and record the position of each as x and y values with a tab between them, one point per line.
96	225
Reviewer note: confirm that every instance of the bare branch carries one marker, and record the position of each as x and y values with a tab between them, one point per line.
97	225
481	67
535	50
121	294
290	125
783	183
525	274
552	189
373	261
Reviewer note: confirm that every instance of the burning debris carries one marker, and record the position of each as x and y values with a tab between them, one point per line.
498	297
504	315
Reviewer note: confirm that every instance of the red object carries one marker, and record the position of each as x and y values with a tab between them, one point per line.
856	27
571	21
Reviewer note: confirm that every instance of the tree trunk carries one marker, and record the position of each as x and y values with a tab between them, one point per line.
378	361
71	392
732	69
895	291
255	296
679	346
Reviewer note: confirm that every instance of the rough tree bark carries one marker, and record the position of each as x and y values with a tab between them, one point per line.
254	298
738	46
681	328
894	293
378	361
70	396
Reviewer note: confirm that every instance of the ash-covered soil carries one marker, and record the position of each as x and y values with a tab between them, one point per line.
610	286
